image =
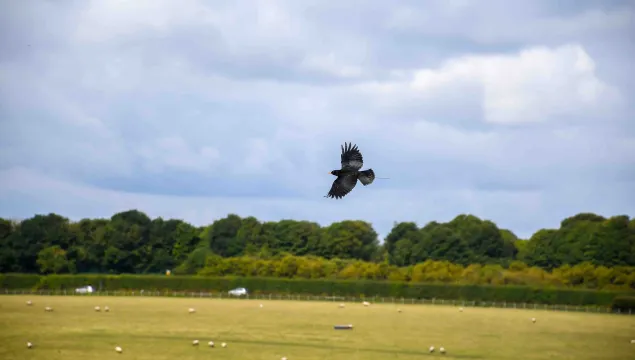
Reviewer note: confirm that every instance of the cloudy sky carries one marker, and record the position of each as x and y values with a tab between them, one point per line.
514	111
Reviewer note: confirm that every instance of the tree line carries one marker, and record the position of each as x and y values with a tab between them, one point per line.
131	242
584	275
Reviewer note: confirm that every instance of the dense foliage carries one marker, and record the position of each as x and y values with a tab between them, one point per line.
319	287
623	304
586	251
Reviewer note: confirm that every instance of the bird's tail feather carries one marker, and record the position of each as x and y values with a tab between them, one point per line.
366	177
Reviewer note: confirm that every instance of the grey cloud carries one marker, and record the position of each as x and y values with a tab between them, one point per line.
188	112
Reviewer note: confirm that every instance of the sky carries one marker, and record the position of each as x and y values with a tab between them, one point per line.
513	111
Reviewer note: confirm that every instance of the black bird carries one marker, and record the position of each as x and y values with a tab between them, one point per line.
348	175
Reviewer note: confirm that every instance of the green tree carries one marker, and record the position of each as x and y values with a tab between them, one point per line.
222	236
483	238
53	259
350	239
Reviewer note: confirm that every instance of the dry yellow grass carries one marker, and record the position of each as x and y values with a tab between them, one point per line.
162	328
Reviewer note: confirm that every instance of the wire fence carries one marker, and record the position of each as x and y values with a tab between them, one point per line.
343	299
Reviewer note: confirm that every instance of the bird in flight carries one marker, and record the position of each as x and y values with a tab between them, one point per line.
348	175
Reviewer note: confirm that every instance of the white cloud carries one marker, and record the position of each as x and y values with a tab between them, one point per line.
175	153
536	85
329	64
107	20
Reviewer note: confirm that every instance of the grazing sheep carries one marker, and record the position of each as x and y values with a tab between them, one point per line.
284	358
431	349
442	350
195	342
29	303
460	309
366	303
191	310
342	306
48	309
211	344
106	309
97	308
398	310
260	305
533	320
223	344
29	345
118	349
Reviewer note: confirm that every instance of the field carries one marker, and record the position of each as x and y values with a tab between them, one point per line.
162	328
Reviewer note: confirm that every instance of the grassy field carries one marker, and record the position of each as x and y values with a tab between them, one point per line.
162	328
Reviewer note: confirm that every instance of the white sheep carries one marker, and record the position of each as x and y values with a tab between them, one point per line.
48	309
195	342
261	305
460	309
398	310
191	310
284	358
106	309
342	306
533	320
442	350
431	349
223	344
118	349
366	303
97	308
211	344
29	303
29	345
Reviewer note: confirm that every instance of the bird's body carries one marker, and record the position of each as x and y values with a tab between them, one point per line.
352	161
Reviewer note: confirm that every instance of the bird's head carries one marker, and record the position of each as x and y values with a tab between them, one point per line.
335	172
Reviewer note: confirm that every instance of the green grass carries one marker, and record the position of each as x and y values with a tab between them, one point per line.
161	328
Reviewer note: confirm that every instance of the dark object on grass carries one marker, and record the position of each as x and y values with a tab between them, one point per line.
348	175
343	327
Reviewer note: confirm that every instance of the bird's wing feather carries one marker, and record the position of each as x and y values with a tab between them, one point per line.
342	186
351	157
366	177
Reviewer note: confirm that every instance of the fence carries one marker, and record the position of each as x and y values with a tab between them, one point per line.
381	300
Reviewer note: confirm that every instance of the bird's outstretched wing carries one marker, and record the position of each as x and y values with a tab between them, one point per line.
342	186
366	177
351	157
